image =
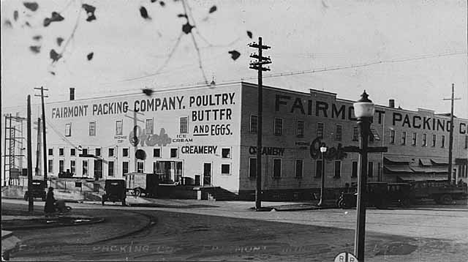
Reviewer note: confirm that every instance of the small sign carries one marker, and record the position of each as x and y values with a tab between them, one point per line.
345	257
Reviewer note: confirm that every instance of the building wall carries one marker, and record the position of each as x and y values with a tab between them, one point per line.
213	116
323	108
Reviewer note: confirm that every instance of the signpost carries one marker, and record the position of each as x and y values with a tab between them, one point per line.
345	257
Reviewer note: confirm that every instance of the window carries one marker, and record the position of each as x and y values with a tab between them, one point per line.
51	151
424	141
253	167
68	129
110	168
61	151
226	153
140	167
50	167
92	128
253	124
320	128
85	168
125	152
318	168
354	171
403	138
337	169
300	128
149	126
72	167
173	152
278	129
225	169
119	127
392	136
276	168
299	164
73	152
339	133
415	137
355	133
61	165
466	142
183	125
443	141
157	152
85	151
111	152
124	167
98	152
370	169
434	140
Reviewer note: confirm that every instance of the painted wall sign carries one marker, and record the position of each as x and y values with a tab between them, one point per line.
331	154
299	105
150	105
269	151
182	139
149	139
198	149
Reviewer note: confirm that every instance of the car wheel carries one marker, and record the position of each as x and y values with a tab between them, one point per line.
137	192
446	199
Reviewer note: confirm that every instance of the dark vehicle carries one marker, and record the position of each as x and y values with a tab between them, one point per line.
116	191
442	192
379	194
38	190
141	183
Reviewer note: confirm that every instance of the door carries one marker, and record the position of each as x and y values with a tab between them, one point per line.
97	169
207	174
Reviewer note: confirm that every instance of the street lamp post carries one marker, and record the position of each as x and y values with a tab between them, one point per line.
364	111
323	149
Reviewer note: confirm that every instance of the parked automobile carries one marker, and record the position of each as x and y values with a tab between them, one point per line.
116	191
38	190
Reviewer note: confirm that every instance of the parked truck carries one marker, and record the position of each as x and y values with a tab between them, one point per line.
139	184
442	192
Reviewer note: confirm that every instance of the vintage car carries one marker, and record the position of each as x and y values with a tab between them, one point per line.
116	191
38	190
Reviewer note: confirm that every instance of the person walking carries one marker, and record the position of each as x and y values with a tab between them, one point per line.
49	207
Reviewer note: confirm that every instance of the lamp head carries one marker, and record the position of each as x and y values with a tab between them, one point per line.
323	149
364	107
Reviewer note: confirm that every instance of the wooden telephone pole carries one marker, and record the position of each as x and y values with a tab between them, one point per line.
258	65
44	135
449	176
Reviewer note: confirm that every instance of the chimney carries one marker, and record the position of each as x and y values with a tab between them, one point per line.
72	93
391	103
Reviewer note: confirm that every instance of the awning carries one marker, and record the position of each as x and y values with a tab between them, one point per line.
439	161
397	169
398	159
418	177
425	162
429	170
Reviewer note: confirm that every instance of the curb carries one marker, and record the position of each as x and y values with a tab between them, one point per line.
39	223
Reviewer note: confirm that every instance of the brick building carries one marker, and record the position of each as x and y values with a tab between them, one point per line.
207	136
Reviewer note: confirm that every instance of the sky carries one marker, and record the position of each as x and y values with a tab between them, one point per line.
409	51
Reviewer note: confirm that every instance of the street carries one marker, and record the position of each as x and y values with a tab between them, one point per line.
230	231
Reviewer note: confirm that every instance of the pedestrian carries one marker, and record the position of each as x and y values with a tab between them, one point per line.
49	207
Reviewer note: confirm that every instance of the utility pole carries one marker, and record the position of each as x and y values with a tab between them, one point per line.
449	176
30	177
38	150
44	144
258	65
